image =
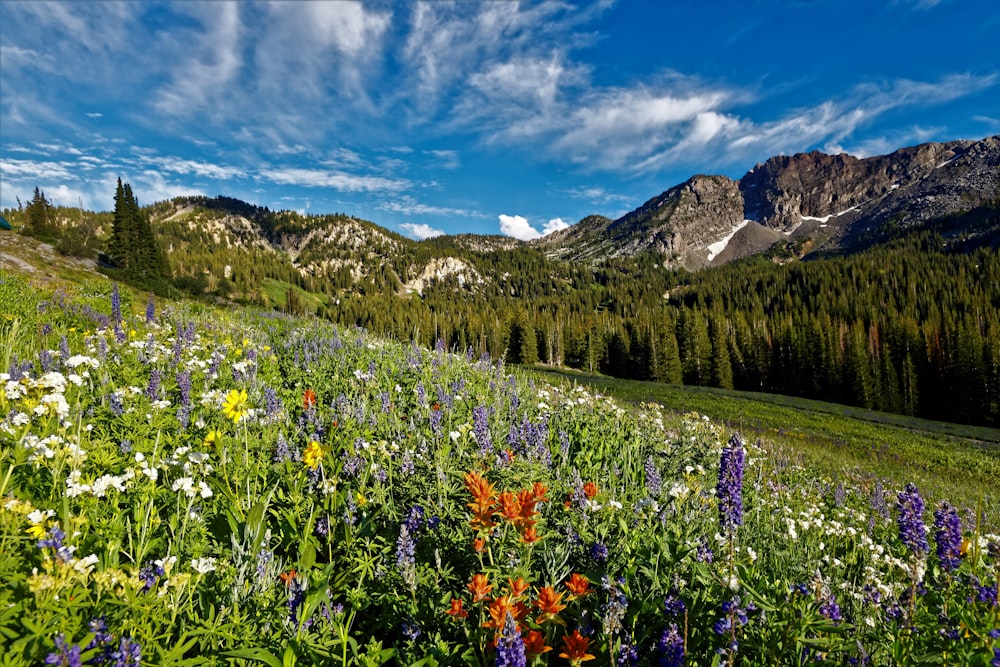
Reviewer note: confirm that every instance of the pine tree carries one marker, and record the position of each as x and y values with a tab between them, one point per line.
132	247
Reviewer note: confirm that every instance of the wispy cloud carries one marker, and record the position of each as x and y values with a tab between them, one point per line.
421	231
407	205
446	159
336	180
202	79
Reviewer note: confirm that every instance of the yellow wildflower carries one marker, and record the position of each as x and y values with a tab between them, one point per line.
311	457
235	405
37	531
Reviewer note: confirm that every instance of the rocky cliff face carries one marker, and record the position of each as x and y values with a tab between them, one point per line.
822	199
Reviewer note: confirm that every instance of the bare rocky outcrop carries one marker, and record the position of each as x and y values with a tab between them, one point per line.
823	200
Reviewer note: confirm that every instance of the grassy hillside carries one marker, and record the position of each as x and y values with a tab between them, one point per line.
188	485
952	460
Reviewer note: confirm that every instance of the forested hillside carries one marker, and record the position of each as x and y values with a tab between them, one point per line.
909	325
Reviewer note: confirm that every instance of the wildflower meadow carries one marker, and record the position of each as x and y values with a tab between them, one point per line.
183	485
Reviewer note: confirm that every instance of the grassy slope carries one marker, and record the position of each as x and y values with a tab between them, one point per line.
949	460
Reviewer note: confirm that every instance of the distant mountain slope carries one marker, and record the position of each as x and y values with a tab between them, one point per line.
817	200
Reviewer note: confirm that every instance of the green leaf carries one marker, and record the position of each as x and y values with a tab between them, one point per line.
258	654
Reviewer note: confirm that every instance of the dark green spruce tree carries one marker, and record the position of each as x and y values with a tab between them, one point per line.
132	247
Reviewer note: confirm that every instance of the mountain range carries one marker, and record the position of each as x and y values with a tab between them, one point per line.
788	206
814	200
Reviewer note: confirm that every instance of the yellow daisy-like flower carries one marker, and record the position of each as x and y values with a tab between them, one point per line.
313	454
235	405
212	438
37	530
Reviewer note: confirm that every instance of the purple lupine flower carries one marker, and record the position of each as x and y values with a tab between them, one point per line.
65	655
115	404
654	482
729	490
272	404
411	630
282	452
439	345
263	560
628	653
406	464
673	605
116	304
510	647
64	348
184	386
150	309
323	526
153	389
128	653
296	596
386	402
150	574
879	502
839	495
421	394
45	361
54	541
986	594
995	662
948	536
912	531
435	421
101	635
125	446
405	561
415	519
829	608
564	444
599	552
350	513
481	429
671	644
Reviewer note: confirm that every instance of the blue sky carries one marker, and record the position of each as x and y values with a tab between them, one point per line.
490	117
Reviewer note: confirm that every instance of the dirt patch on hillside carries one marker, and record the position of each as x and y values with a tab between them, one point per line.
41	262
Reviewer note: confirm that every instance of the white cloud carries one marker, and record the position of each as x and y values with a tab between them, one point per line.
202	79
338	180
518	227
421	231
554	225
407	205
448	159
178	165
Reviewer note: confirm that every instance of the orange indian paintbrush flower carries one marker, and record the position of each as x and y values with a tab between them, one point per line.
549	603
575	648
484	500
590	490
480	587
308	399
517	586
578	586
457	610
534	644
530	536
510	507
539	490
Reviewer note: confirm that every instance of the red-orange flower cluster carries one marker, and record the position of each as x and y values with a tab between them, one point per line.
308	399
578	586
484	500
575	648
518	507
